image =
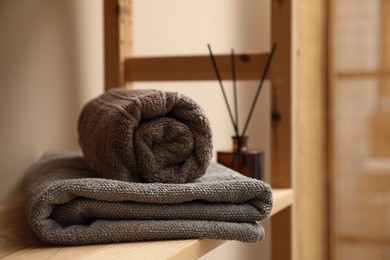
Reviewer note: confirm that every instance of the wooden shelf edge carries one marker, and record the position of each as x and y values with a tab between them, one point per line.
18	241
283	198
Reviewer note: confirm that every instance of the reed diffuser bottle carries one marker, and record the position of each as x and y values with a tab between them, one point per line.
247	162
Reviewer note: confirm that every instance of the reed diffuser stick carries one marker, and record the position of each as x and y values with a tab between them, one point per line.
222	89
251	161
235	90
259	88
239	144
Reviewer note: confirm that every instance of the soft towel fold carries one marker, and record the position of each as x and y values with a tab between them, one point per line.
153	135
68	204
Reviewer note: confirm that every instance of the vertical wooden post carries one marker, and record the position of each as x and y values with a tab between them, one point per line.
299	143
311	174
331	134
111	44
125	37
283	113
117	40
384	53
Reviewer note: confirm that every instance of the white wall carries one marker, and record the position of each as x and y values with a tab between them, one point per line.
176	27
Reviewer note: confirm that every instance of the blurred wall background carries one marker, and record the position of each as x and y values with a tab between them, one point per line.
360	76
50	64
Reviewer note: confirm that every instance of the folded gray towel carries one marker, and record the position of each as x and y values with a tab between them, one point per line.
133	134
68	204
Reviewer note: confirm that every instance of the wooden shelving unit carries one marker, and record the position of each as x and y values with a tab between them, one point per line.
17	241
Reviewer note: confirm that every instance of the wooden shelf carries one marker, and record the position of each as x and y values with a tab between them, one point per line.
17	241
248	67
282	199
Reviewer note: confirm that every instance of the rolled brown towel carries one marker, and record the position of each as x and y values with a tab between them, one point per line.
150	135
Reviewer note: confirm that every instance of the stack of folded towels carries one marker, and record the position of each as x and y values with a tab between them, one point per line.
145	174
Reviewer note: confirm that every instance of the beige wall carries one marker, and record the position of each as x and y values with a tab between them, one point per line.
48	50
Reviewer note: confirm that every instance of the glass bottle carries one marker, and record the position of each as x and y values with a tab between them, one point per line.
246	161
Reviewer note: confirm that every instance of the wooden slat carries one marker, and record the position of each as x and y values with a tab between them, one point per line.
117	40
283	23
282	85
363	74
249	66
383	49
17	241
332	193
364	240
310	236
281	235
379	134
111	44
125	37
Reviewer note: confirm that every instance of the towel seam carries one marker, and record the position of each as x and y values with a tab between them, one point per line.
124	97
118	108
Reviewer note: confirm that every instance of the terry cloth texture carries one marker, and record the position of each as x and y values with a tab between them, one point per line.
69	204
153	135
